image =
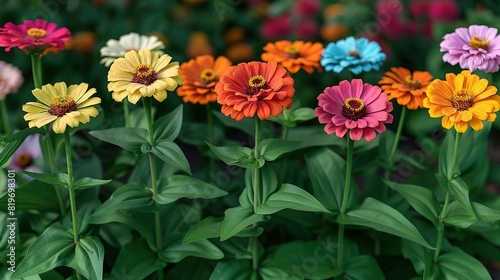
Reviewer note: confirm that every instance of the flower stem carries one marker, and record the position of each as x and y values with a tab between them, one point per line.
451	171
126	113
345	200
211	138
256	191
5	118
394	149
36	68
152	166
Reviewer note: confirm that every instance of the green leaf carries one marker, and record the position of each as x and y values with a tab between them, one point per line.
128	138
170	153
290	197
237	219
136	261
268	184
273	274
176	252
363	267
8	151
206	228
234	270
127	197
168	126
382	217
303	114
446	155
87	182
459	217
89	257
174	187
45	198
461	266
58	179
420	198
245	125
458	188
417	254
271	149
236	155
22	134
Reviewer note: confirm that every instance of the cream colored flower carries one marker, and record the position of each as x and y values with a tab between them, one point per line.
115	49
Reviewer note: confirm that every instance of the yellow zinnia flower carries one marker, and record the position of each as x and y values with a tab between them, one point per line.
462	100
62	105
143	74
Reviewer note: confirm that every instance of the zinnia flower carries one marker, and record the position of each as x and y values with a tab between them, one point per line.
200	76
357	55
143	74
475	47
407	88
462	100
61	105
294	55
10	79
24	157
360	108
33	37
255	88
115	49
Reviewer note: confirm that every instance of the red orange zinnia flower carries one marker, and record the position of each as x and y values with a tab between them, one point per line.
33	36
294	55
200	76
408	88
254	88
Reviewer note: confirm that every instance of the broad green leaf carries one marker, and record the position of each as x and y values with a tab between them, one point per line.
87	182
446	155
58	179
206	228
416	254
267	185
9	150
128	138
130	197
273	274
461	266
303	114
458	216
22	134
246	125
174	187
174	253
314	136
45	198
362	267
458	188
237	155
234	270
290	197
168	126
271	149
89	257
297	258
420	198
237	219
382	217
135	261
172	154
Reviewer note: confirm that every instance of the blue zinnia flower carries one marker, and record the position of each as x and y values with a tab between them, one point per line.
355	55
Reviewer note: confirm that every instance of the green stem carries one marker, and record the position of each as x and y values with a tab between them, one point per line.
36	67
152	166
5	117
451	171
394	148
211	138
345	200
256	191
126	113
255	256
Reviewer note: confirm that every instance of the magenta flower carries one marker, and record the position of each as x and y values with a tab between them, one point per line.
33	37
475	47
10	79
360	108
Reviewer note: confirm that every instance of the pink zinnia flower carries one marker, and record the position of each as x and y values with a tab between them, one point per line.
475	47
33	37
360	108
10	79
25	156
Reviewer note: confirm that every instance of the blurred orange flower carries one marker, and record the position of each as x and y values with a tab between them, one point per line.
294	55
334	31
409	89
199	44
200	76
240	52
83	42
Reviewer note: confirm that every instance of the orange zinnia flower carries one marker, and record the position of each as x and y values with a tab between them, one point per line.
200	75
409	89
255	88
294	55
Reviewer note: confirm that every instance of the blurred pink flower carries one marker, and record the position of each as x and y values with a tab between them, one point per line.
11	79
276	27
23	158
444	10
390	18
307	29
307	7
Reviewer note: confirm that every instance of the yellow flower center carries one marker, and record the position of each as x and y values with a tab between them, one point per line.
61	105
144	74
411	83
354	108
36	33
255	84
479	42
292	51
353	53
208	75
462	100
23	160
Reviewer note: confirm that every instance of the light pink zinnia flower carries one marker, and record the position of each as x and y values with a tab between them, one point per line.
33	37
475	47
360	108
24	157
10	79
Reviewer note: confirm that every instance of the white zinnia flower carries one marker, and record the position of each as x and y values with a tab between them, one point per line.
115	49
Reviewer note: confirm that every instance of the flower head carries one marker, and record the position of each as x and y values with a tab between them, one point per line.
33	37
61	105
475	47
294	55
24	157
462	100
115	49
408	88
357	55
143	74
360	108
10	79
254	88
200	76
